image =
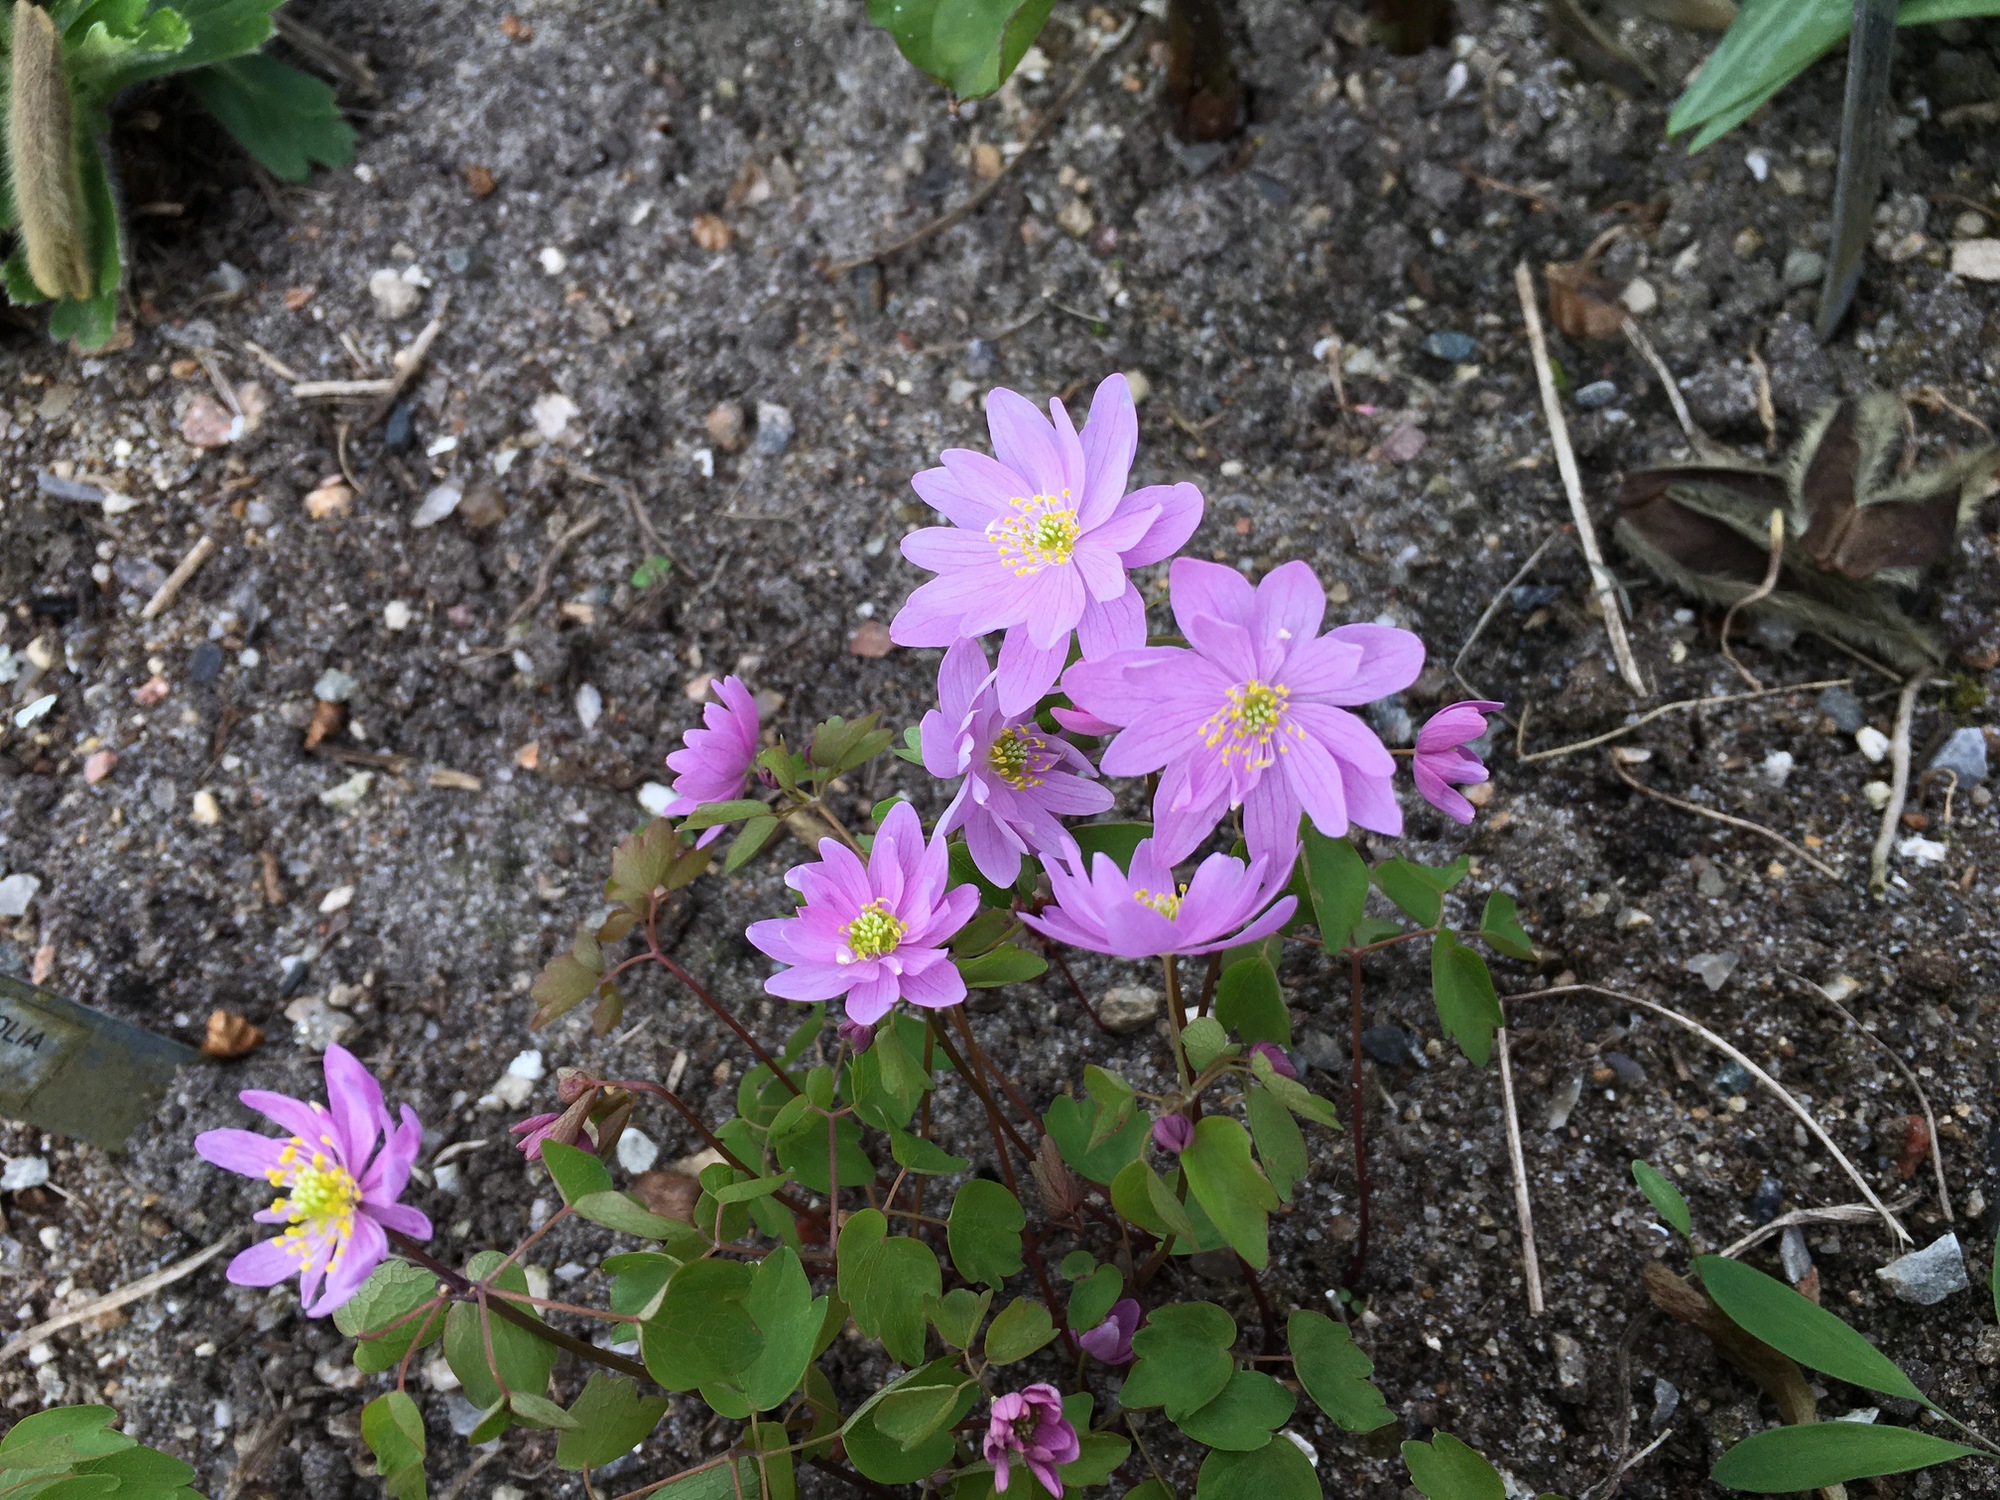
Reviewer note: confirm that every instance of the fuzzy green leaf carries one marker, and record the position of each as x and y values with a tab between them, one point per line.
288	120
390	1296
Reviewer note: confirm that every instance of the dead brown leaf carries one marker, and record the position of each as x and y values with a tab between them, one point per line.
711	233
326	721
671	1195
231	1035
1582	304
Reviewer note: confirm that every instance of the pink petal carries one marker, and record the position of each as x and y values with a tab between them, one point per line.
961	675
1110	440
1112	624
935	988
241	1151
263	1264
1371	800
1200	588
293	1115
961	504
402	1218
1069	450
870	1000
1391	660
811	982
1290	605
1023	440
1028	671
355	1261
946	549
1056	599
1440	793
1320	668
1180	512
1346	738
1271	819
1314	777
356	1101
1100	571
1455	725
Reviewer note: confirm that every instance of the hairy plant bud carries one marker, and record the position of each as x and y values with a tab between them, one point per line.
41	159
572	1084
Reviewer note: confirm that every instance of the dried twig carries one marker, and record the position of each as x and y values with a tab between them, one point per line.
1601	581
1608	1485
351	68
547	570
308	390
1836	1213
1762	590
1741	1060
1722	817
271	362
169	591
1637	338
1531	1265
406	362
145	1286
1664	709
1899	784
1909	1077
1493	606
987	189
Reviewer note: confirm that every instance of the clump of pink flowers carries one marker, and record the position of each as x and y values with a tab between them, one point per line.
338	1174
1028	1427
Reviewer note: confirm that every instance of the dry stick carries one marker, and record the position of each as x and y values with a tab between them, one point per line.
986	190
169	591
1909	1077
1722	817
1493	607
1609	1483
1666	708
145	1286
1762	590
1531	1265
1627	1342
1837	1213
1651	356
1741	1060
404	365
541	589
1586	534
1899	785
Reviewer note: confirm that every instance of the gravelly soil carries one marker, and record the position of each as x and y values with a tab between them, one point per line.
609	131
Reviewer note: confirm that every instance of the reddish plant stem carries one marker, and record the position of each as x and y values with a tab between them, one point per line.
977	1083
1077	990
979	1055
1357	1105
1208	983
1264	1308
721	1011
660	1091
1031	1243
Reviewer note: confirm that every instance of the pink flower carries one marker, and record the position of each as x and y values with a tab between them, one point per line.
340	1173
1018	780
1111	1340
1252	716
1275	1056
1042	536
1442	758
716	762
532	1132
873	933
1029	1425
1173	1134
857	1036
1144	914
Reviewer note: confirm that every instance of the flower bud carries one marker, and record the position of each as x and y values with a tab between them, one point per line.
1173	1133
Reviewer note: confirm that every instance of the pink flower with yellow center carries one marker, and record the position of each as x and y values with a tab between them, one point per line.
1042	536
1141	912
339	1173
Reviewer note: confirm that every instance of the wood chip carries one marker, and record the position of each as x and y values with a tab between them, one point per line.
457	781
231	1035
326	720
177	580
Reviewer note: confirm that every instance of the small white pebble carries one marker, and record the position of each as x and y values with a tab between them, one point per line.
50	1236
1877	793
554	262
1759	163
1871	742
637	1151
396	615
335	900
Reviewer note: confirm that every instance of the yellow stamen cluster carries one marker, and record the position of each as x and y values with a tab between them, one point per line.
320	1204
1041	531
873	932
1019	757
1166	903
1253	715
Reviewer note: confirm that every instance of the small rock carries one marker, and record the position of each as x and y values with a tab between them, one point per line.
1767	1202
1526	598
1924	851
960	391
1597	393
331	497
589	706
205	810
1977	260
1928	1276
1758	160
1631	1072
1964	754
1639	297
337	899
1731	1079
1840	705
1392	1047
1451	346
1987	1351
448	1180
1402	445
724	426
483	507
17	893
400	430
394	297
551	414
206	663
774	428
1572	1369
1075	218
1877	793
1563	1099
348	795
529	1065
99	765
439	502
24	1172
1803	268
1125	1008
207	423
553	261
654	797
317	1024
1792	1251
1872	743
1318	1050
1713	969
1392	721
1666	1401
1777	767
396	615
870	640
637	1151
1710	882
1747	243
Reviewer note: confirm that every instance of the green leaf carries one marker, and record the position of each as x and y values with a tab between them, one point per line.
920	1155
1335	1373
1072	1124
1118	840
576	1172
393	1428
714	814
958	1315
886	1279
1445	1469
565	983
1092	1298
638	1283
703	1331
520	1360
1768	44
653	858
840	744
1338	878
1467	1006
539	1411
653	570
1418	890
1182	1354
1225	1181
1019	1329
1766	1308
288	120
62	1436
983	932
1784	1460
138	1473
984	1232
881	1455
736	1481
1500	925
612	1419
1281	1147
1374	930
1294	1095
1139	1193
1005	964
1203	1039
918	1407
803	1153
1664	1196
1250	1003
1244	1415
782	1305
744	1191
627	1215
390	1295
755	834
1276	1471
965	872
1113	1096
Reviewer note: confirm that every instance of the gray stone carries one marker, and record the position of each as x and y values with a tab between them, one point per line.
1713	969
774	429
1964	754
394	297
1318	1050
1391	720
1450	345
1803	268
1392	1046
1840	705
1129	1007
1597	393
1562	1099
1767	1202
206	663
24	1172
139	574
1572	1368
1792	1251
1666	1401
1928	1276
16	891
1731	1079
1631	1073
1710	882
334	686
